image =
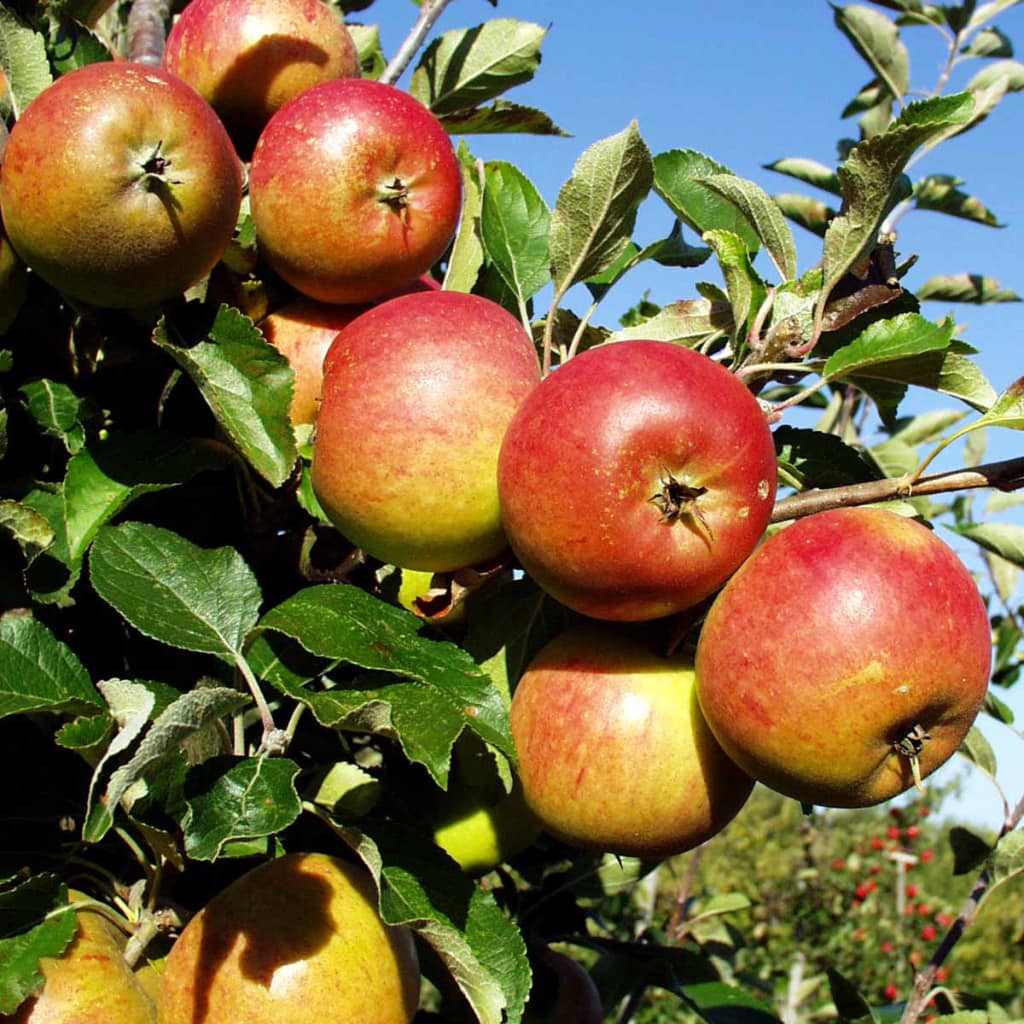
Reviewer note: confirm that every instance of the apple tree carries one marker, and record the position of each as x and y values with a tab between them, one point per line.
209	658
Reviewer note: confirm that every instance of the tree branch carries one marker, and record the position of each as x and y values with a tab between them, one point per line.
146	32
1004	476
429	13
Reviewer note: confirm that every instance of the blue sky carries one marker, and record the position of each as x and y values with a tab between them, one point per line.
748	83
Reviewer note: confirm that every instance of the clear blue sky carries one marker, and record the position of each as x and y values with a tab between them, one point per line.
748	83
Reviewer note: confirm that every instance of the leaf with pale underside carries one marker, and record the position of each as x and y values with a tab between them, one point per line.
763	214
593	218
973	288
467	252
746	290
23	61
811	172
501	118
1003	539
940	193
1008	409
812	214
878	42
689	322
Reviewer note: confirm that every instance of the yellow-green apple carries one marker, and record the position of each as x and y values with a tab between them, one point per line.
247	58
562	992
850	650
355	190
119	186
416	397
297	939
613	751
91	983
302	331
636	479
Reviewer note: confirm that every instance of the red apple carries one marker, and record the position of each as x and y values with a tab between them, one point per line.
302	331
355	190
562	993
851	645
247	58
417	395
613	751
297	939
635	480
119	185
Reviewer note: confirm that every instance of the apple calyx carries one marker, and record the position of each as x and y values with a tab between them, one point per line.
677	500
910	746
395	194
154	171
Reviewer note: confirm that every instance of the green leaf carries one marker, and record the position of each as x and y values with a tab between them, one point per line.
763	215
28	933
194	598
184	718
422	888
720	1003
889	341
71	44
245	381
939	192
812	458
232	799
1003	539
596	208
467	67
969	850
56	411
690	322
811	214
515	222
23	60
501	118
872	180
850	1004
996	709
1007	860
675	251
973	288
345	624
747	292
976	749
1008	409
878	41
467	253
38	672
811	172
676	180
988	11
368	46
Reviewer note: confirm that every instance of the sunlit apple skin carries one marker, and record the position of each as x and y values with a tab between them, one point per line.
90	984
247	58
416	397
575	999
838	636
302	331
591	447
298	939
614	754
355	190
77	204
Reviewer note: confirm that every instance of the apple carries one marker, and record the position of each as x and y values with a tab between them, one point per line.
636	479
247	58
614	754
849	653
91	983
355	190
562	993
302	331
295	940
119	186
481	832
417	395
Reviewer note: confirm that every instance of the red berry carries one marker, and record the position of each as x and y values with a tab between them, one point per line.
927	855
877	844
923	812
912	832
945	920
910	909
941	974
838	864
911	890
886	947
875	869
861	892
894	832
928	932
924	910
915	957
891	992
872	885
